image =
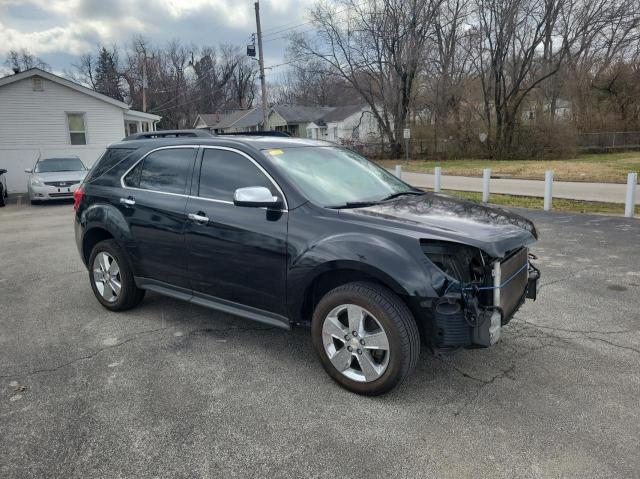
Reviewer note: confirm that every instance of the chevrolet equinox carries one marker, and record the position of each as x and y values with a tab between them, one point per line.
293	232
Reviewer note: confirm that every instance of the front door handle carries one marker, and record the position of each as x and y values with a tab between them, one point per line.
198	217
128	201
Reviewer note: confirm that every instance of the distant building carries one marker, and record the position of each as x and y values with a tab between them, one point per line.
352	123
294	119
44	115
218	122
563	110
230	121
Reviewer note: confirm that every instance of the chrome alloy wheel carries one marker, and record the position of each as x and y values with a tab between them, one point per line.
106	276
355	343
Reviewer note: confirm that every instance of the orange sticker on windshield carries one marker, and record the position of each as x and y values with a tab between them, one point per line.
276	152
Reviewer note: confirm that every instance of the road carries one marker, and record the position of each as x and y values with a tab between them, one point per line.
177	391
605	192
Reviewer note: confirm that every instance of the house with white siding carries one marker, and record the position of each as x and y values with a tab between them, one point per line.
43	115
345	124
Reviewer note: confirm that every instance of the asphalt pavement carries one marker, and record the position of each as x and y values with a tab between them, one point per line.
178	391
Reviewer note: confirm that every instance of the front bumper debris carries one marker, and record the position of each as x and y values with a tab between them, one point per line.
474	315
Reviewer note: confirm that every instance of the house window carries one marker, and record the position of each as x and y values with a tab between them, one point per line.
335	132
77	129
37	84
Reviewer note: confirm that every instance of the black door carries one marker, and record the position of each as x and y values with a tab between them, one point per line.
154	204
235	253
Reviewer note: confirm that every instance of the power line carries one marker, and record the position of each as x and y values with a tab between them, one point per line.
279	28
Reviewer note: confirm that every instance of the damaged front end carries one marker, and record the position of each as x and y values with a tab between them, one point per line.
478	294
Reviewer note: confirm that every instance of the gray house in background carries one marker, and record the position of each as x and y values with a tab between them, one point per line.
351	123
230	121
294	119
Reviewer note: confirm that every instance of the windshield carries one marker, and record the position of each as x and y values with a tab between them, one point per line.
335	177
59	164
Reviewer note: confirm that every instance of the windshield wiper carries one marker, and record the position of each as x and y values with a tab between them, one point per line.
354	204
402	193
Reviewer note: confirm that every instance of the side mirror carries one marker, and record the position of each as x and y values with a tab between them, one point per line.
256	196
28	170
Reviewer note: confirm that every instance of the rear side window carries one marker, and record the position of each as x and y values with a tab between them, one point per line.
108	160
165	171
223	171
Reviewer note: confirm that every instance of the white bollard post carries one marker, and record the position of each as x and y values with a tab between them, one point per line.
437	181
399	171
548	190
486	177
630	204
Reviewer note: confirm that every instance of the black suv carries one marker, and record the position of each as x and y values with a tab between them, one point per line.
297	232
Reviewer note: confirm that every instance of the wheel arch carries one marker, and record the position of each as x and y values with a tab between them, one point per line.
336	273
91	238
100	222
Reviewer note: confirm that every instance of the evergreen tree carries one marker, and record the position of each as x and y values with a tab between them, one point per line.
107	77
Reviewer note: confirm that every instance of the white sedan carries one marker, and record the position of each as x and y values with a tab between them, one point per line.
55	178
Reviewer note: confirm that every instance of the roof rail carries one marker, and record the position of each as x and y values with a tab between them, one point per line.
256	133
146	135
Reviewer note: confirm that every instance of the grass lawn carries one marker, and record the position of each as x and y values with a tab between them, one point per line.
570	206
600	168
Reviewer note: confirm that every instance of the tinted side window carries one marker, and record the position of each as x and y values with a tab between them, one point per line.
132	179
108	160
222	172
164	170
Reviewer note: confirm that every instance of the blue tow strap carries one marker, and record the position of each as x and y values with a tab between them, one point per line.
487	288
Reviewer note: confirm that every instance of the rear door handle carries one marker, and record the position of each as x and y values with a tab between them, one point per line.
198	217
127	201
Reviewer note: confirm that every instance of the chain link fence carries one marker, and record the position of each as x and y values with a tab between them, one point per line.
608	141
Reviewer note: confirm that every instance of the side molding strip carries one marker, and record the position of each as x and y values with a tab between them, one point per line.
212	302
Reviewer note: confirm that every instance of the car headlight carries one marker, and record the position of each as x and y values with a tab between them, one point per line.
36	181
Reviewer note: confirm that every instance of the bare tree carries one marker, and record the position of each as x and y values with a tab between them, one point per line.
376	47
310	81
23	59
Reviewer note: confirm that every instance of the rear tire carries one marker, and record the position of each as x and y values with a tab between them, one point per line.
111	277
3	195
388	335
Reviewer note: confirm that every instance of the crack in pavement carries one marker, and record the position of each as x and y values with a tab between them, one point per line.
584	334
629	348
566	278
126	340
502	374
581	331
83	358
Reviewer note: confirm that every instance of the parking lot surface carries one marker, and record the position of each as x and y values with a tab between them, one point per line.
174	390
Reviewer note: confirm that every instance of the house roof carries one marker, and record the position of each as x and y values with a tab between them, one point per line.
33	72
252	118
221	120
301	114
341	112
61	81
208	118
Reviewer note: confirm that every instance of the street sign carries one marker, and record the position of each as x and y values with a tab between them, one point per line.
407	133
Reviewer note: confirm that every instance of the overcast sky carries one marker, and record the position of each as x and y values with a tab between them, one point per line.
58	31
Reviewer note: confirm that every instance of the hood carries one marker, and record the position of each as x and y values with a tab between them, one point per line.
434	216
62	175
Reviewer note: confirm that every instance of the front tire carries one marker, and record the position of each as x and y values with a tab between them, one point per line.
111	277
366	337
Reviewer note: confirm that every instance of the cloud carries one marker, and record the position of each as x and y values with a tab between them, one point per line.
51	28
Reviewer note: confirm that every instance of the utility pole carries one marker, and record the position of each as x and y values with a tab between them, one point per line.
144	82
262	79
